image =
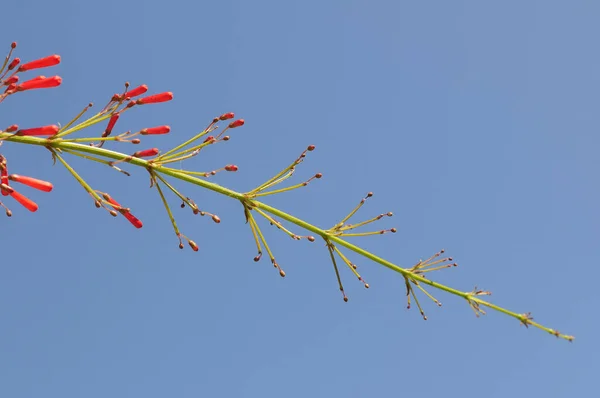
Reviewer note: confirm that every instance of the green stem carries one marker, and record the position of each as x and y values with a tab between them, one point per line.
327	235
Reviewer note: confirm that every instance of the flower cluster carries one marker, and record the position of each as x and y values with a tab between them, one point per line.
58	139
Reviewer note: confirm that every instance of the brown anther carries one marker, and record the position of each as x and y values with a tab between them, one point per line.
311	148
182	205
369	195
181	245
393	230
346	299
281	273
318	175
8	213
257	258
389	214
136	141
97	204
202	213
366	286
196	211
310	238
226	138
216	218
113	213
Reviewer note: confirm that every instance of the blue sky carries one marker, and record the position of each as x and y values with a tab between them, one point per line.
476	124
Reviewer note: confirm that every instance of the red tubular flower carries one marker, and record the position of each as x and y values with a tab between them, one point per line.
14	63
231	167
40	82
111	123
4	178
146	153
24	201
130	217
156	98
137	91
40	185
227	116
41	63
156	130
11	80
237	123
39	131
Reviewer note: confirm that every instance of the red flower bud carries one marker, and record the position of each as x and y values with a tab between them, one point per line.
231	167
4	179
237	123
40	82
130	217
111	123
24	201
209	138
226	116
31	182
137	91
38	131
41	63
11	128
153	99
193	245
156	130
146	153
11	80
14	63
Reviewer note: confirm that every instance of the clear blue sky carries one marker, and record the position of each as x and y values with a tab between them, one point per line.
476	124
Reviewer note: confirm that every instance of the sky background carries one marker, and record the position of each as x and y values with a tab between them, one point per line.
476	123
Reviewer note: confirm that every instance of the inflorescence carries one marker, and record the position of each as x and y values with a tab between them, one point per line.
58	140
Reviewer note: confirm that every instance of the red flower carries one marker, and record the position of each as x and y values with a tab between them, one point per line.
153	99
156	130
231	167
136	91
41	63
40	82
146	153
237	123
111	123
40	185
39	131
24	201
14	63
3	177
11	80
130	217
227	116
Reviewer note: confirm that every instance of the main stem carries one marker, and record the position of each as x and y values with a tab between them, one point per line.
469	296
